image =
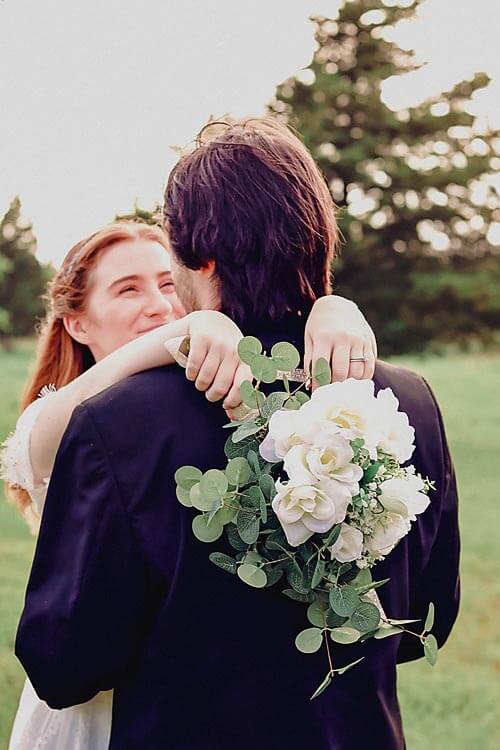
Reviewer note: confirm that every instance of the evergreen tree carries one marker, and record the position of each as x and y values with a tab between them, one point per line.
22	278
410	185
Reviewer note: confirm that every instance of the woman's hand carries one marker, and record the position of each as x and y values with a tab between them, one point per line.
213	363
338	331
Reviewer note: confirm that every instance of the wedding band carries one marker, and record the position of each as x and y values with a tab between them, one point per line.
357	359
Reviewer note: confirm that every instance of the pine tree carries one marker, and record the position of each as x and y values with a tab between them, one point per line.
410	185
22	278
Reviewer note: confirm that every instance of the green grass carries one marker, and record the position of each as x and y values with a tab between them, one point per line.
450	707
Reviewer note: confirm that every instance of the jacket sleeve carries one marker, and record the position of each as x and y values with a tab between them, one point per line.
440	581
90	593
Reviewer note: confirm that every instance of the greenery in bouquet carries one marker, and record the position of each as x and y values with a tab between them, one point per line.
313	495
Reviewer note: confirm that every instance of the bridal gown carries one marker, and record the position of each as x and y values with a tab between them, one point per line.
86	726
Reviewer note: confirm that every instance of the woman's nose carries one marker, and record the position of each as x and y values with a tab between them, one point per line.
158	305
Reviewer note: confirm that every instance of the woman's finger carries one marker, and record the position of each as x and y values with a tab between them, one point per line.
223	379
198	350
208	370
233	398
370	359
356	362
340	362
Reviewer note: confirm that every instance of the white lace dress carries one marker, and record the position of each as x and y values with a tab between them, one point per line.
86	726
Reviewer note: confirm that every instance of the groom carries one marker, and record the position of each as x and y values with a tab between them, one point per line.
121	594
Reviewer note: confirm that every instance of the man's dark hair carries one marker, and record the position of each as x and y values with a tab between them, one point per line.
251	198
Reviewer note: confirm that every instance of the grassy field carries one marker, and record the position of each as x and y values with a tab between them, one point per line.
454	706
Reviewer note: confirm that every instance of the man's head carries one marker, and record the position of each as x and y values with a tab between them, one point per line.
250	221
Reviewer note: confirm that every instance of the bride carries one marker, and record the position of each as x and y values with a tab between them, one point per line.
112	308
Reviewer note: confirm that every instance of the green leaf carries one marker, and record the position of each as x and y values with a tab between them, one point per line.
250	396
332	537
252	575
371	471
213	485
302	397
431	649
366	617
298	597
234	538
248	348
223	561
322	687
242	448
343	670
187	476
253	460
263	368
285	356
319	570
429	620
400	622
296	580
183	496
267	485
322	373
309	640
316	614
273	403
363	578
216	506
344	600
226	515
245	430
274	574
248	526
387	631
238	471
253	558
344	635
197	500
206	533
293	404
372	586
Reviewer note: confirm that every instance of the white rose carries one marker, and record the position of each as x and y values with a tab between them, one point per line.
348	408
404	496
397	435
306	509
348	546
332	461
387	533
281	436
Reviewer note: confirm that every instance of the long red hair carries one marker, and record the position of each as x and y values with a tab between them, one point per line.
59	358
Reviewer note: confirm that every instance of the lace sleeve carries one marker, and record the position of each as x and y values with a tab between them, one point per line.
15	461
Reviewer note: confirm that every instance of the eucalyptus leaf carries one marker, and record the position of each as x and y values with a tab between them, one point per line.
297	597
273	403
371	586
245	430
253	460
248	348
223	561
274	574
302	397
285	356
386	632
238	471
252	575
319	571
296	580
206	533
250	395
263	368
234	538
187	476
183	496
344	600
371	471
241	448
316	614
366	617
292	404
248	526
322	373
343	670
322	687
267	485
344	635
429	620
197	500
431	649
213	484
332	537
309	640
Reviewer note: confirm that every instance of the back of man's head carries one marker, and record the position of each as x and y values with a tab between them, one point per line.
251	198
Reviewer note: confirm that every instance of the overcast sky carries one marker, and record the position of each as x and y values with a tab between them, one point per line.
94	92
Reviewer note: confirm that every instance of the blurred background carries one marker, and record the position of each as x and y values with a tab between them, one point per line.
399	102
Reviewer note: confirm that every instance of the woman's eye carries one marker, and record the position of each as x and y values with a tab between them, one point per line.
128	289
168	286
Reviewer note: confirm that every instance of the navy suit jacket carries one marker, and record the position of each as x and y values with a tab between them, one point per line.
122	595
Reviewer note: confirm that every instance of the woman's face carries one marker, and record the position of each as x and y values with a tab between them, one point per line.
130	292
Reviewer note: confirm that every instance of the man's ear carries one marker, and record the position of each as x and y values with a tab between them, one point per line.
77	328
209	268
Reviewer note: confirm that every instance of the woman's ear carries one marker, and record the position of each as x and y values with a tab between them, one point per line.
77	328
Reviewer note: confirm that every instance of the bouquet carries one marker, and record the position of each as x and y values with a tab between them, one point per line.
314	494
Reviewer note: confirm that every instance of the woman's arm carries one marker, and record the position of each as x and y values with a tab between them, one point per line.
213	365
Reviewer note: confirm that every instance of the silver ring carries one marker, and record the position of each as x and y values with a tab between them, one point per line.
358	359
